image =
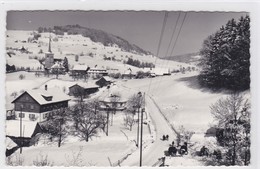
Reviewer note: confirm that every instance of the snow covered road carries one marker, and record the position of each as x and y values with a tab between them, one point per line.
152	153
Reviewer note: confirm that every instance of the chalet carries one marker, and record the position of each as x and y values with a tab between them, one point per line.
128	74
57	68
37	105
104	81
79	70
97	72
114	102
82	89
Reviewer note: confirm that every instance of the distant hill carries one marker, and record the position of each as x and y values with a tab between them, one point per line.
185	58
95	35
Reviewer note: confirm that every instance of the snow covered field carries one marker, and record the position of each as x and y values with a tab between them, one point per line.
171	101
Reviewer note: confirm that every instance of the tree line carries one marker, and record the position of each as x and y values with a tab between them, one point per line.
137	63
225	58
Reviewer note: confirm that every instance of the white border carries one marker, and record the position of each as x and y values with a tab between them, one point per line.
185	5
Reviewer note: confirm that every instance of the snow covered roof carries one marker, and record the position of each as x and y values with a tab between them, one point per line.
107	78
9	143
57	66
160	71
13	128
37	95
147	69
86	85
80	67
128	72
97	69
120	98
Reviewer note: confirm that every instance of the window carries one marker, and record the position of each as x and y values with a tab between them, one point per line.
26	98
21	115
32	107
45	115
32	116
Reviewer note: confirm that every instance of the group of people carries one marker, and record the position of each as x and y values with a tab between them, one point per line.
183	149
165	137
204	151
173	150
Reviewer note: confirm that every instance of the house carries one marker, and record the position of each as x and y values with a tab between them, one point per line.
79	70
128	74
38	104
113	102
104	81
57	68
22	133
82	89
94	72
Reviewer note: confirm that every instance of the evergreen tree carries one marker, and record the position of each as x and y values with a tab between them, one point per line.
66	64
225	57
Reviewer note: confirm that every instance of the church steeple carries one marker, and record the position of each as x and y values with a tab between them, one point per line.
49	44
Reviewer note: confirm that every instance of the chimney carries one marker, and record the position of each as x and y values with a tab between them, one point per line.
46	87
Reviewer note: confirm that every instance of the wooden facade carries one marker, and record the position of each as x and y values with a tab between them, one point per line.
28	108
77	90
103	82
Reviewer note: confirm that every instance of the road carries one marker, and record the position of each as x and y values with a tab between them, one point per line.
156	150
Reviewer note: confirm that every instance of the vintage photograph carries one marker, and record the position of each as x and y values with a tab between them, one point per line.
127	88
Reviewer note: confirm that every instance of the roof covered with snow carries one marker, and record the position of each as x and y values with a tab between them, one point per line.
107	78
86	85
80	67
9	143
97	69
13	128
39	94
57	66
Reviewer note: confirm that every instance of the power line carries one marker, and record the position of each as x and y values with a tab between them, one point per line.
176	40
174	30
173	33
179	33
160	41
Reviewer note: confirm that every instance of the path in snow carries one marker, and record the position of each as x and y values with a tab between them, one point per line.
155	151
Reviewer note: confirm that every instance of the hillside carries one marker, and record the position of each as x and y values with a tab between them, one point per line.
89	53
95	35
185	58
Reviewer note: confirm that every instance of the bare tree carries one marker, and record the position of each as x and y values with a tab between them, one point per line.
42	160
88	120
129	120
183	135
233	119
75	159
15	160
114	99
57	124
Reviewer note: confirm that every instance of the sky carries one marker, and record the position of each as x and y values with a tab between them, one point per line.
142	28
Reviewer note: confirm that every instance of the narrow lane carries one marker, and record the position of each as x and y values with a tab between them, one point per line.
156	150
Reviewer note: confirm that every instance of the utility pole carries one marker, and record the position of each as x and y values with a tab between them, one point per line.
141	139
21	133
107	118
137	140
138	107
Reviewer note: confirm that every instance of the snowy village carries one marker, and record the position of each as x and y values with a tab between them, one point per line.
79	96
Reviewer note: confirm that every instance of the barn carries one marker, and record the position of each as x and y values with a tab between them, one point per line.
82	89
104	81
